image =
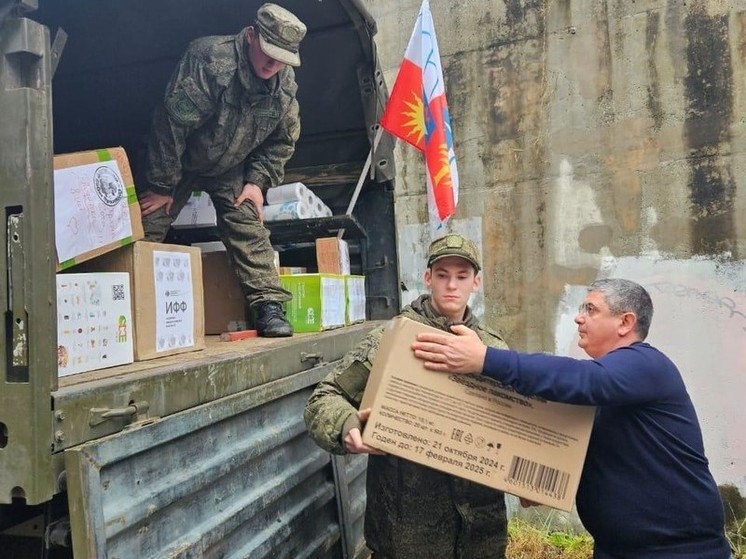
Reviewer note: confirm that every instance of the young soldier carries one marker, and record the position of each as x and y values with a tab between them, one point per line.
414	511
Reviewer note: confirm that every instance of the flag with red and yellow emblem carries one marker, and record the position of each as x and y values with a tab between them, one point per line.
417	112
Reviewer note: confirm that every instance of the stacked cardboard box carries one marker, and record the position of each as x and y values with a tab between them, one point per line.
329	299
225	309
332	256
96	207
167	295
292	270
318	301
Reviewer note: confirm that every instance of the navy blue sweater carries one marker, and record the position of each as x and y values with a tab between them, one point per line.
646	489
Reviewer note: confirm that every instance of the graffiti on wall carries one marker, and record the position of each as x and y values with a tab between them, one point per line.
700	323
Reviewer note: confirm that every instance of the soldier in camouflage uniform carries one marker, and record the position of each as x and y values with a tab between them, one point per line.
228	124
414	511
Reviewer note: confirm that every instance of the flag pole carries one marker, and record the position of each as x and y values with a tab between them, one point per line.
361	180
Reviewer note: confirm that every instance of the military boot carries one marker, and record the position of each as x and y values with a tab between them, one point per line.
271	321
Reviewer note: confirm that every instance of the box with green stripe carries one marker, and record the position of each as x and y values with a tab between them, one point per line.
318	301
96	207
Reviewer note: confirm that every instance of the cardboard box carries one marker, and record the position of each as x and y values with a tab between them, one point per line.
355	310
291	270
167	296
198	212
225	306
318	301
333	256
472	426
94	322
95	205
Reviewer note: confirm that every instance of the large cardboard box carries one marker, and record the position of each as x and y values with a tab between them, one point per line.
318	301
355	308
225	307
333	256
472	426
94	322
95	205
168	298
198	212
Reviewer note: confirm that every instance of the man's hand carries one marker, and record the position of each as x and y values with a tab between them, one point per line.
354	440
462	353
253	194
151	202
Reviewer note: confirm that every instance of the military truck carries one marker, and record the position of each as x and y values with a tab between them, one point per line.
202	454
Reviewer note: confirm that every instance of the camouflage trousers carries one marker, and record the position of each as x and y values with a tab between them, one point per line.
244	236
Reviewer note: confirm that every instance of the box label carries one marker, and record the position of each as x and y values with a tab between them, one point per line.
355	304
94	322
91	208
174	298
333	301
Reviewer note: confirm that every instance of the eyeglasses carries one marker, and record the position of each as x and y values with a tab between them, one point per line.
591	310
588	309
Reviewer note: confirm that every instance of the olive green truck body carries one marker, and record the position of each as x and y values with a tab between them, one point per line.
202	454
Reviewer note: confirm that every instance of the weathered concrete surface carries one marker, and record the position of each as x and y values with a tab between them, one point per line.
598	138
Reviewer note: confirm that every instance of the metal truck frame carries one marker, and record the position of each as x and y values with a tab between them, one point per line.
195	455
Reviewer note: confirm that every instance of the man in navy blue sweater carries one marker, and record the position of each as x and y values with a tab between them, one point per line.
646	491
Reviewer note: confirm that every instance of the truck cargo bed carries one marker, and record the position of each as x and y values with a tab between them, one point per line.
215	353
164	386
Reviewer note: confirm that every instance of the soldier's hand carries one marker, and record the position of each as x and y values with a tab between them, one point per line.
253	194
354	439
151	202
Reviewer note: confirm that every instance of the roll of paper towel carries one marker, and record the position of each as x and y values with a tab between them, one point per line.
287	210
318	208
291	192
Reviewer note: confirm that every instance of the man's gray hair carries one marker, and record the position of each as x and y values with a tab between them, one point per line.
622	296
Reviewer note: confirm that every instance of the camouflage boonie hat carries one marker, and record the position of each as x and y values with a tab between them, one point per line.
280	33
453	245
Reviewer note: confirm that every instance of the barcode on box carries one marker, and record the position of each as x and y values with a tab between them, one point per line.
117	292
538	477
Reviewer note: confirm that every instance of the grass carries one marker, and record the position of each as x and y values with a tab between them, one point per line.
529	542
735	519
737	540
736	534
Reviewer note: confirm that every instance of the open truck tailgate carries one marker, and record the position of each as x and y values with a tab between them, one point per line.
233	474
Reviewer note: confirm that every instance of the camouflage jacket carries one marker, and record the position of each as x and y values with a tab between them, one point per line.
219	119
412	511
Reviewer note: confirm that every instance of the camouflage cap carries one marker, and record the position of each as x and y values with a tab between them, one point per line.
453	245
280	33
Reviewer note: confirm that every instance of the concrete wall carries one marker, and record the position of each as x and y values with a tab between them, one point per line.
597	138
